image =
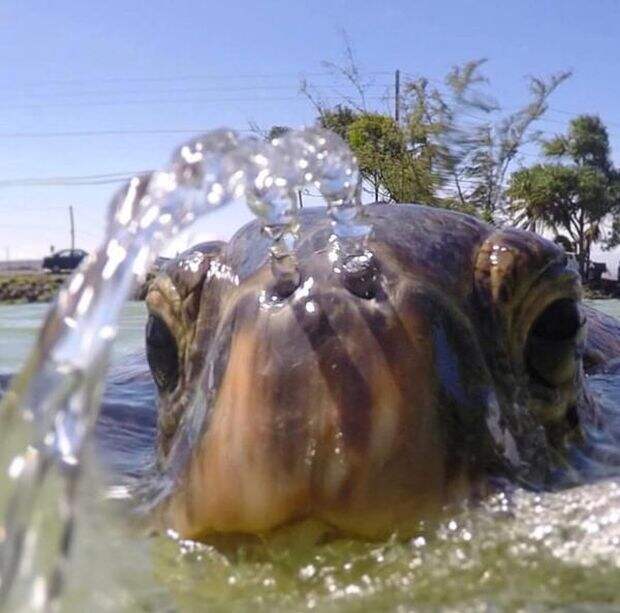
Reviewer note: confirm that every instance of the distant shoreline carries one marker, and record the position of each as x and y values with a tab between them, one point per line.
28	287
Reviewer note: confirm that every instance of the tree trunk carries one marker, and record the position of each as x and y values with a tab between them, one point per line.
583	264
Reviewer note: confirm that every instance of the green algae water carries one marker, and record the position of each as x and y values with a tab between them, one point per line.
20	323
514	551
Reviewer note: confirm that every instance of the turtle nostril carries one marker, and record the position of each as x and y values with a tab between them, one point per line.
553	343
285	271
285	286
360	275
560	321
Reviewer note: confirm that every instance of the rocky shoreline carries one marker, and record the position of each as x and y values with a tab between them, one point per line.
599	293
28	288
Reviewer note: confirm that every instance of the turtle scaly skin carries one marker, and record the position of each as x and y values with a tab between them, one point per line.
367	402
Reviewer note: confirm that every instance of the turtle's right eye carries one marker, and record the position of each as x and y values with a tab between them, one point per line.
162	354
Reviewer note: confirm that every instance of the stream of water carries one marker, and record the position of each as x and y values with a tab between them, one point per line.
51	408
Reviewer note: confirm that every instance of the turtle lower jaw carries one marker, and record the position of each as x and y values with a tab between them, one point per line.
367	517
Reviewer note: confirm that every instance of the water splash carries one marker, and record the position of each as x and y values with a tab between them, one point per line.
54	402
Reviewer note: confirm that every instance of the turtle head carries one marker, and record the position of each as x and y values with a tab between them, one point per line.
374	393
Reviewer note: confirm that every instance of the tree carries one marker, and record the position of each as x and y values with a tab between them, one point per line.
443	157
562	198
578	198
472	158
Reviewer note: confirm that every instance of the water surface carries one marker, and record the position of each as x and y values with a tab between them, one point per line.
19	325
518	550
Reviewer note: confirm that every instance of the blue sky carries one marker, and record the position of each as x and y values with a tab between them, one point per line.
72	70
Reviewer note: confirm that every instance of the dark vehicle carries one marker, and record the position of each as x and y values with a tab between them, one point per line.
64	260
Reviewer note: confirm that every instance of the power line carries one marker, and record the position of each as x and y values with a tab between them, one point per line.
121	132
197	101
160	131
123	176
37	209
11	184
60	183
98	179
116	132
229	88
198	130
47	227
82	133
201	90
576	113
212	77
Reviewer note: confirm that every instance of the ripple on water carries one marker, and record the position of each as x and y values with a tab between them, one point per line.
517	550
523	550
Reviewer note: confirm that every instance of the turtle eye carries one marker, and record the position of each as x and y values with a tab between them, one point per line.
162	354
554	343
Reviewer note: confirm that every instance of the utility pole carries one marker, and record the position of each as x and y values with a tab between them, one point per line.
397	115
397	97
72	228
301	202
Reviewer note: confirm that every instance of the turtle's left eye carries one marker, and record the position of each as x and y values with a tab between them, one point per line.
162	353
554	343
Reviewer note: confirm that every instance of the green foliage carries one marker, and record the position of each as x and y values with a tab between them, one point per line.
578	198
338	120
386	163
378	145
586	144
452	146
554	195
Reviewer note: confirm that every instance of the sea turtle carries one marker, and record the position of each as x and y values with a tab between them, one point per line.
368	398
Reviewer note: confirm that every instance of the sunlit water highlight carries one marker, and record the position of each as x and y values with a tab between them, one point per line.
517	551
